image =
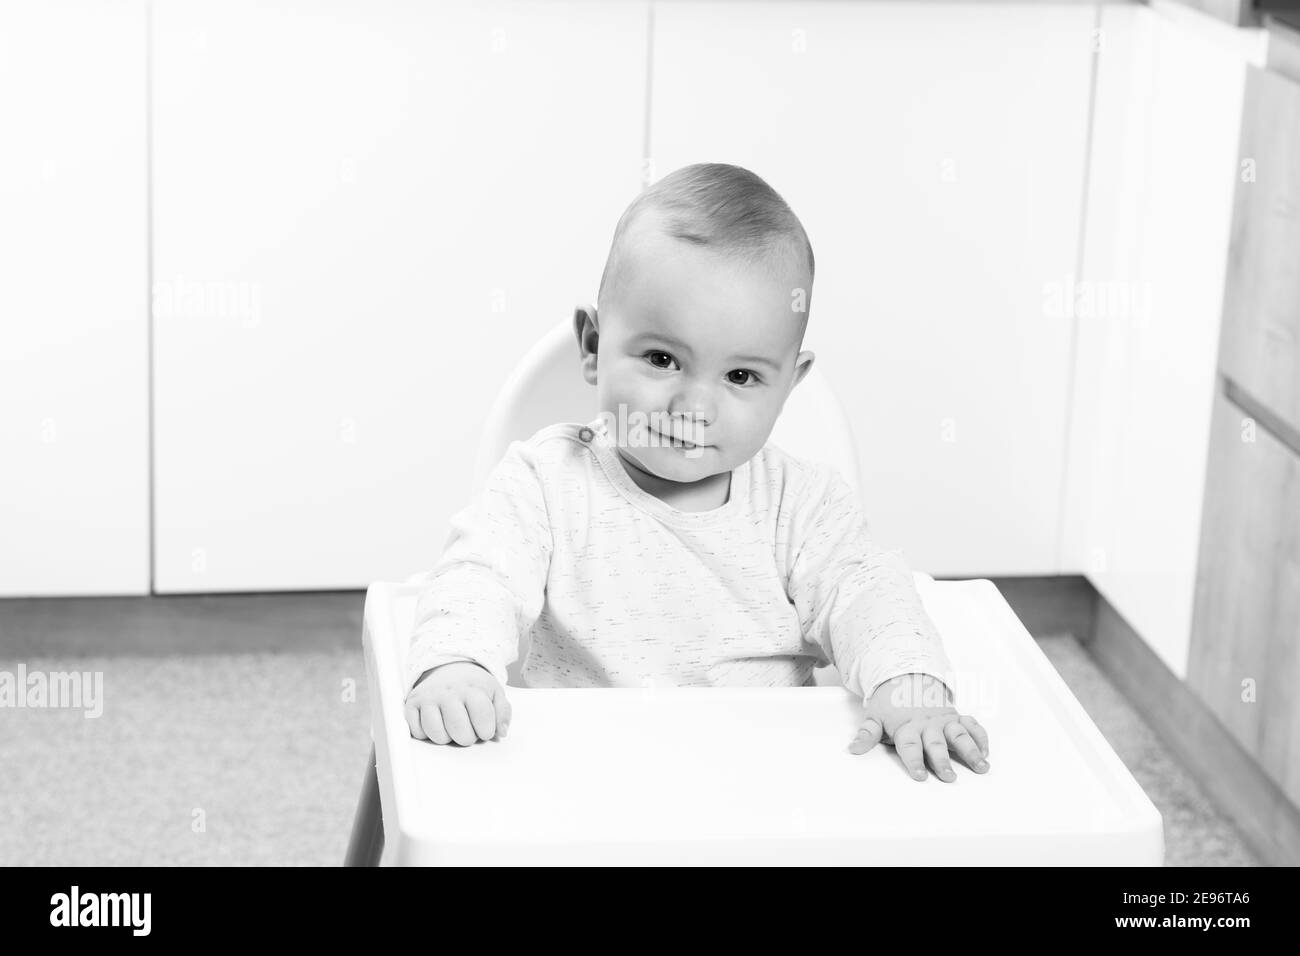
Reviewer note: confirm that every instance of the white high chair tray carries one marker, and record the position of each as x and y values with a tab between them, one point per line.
760	775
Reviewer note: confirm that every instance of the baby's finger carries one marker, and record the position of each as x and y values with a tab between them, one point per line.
431	721
869	735
960	740
504	710
907	741
980	735
482	714
936	748
457	722
413	722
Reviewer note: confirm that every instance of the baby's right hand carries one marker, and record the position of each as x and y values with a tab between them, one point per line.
458	701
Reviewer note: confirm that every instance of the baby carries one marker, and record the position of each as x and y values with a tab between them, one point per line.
666	541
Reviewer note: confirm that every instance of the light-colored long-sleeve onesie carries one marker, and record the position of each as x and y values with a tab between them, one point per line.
616	588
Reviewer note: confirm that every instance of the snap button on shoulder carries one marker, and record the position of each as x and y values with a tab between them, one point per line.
586	434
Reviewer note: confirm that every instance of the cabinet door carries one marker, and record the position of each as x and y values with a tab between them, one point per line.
74	299
1149	302
1261	312
365	213
1245	651
935	155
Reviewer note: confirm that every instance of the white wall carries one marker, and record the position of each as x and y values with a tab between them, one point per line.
74	303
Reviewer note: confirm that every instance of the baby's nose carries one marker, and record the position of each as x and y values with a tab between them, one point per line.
692	414
694	405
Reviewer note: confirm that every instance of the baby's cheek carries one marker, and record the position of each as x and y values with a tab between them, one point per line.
748	444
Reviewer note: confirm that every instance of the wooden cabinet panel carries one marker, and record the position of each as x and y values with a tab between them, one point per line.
1246	620
1260	348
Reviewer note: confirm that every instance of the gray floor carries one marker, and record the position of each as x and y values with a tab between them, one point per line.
238	759
257	759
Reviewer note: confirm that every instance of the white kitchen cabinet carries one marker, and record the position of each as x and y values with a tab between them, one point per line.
364	214
935	154
1163	171
74	302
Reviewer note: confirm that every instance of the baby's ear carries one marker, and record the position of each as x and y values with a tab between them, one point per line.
588	334
803	364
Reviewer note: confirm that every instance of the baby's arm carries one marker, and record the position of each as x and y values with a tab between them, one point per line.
861	606
854	600
486	590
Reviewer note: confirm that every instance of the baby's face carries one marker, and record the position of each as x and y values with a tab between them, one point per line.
704	348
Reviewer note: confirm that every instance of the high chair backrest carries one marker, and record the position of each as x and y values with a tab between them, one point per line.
547	387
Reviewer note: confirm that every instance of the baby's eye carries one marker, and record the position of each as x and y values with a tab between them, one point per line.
654	359
750	377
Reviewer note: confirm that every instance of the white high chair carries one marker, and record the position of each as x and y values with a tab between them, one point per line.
604	768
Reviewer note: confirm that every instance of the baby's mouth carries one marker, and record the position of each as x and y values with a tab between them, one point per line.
679	443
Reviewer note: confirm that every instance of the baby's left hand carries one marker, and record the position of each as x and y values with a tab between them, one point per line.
918	731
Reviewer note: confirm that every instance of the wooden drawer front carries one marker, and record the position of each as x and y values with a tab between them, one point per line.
1246	618
1260	348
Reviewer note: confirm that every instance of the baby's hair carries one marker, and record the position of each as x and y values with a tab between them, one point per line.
723	207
